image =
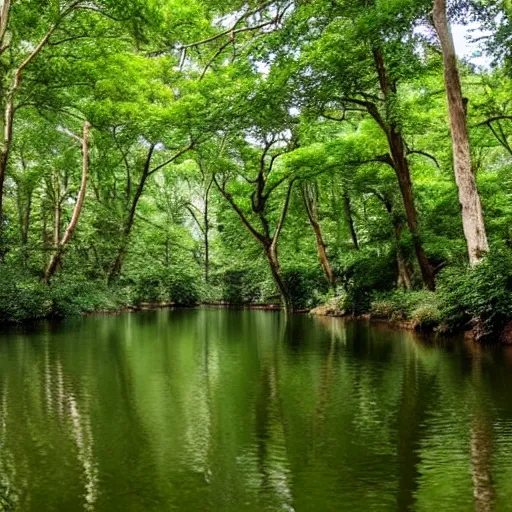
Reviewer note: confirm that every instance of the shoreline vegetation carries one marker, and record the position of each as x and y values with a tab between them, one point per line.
258	152
412	315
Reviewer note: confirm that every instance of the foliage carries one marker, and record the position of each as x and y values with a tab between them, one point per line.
239	288
481	296
420	308
239	165
307	285
71	297
181	287
22	298
364	274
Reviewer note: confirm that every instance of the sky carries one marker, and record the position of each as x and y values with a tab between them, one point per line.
462	35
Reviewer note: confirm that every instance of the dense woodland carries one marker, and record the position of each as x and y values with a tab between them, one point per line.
281	151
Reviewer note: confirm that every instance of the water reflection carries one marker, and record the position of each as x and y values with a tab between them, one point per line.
250	411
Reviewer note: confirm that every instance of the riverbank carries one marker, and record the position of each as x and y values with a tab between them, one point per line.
421	312
414	311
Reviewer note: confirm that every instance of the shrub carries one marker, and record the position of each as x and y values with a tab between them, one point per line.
367	273
382	308
148	288
480	297
421	308
239	287
426	316
71	297
307	286
22	297
181	287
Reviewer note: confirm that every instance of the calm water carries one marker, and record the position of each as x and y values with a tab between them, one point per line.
216	410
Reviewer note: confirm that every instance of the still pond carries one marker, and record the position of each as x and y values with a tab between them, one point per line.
217	410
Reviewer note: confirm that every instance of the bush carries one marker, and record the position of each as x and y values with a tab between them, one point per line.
239	287
421	308
148	288
480	297
181	288
426	316
307	286
367	273
22	297
73	297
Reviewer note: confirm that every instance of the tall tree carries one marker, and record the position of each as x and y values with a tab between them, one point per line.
472	213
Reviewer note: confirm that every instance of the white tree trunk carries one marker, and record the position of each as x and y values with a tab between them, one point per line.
472	214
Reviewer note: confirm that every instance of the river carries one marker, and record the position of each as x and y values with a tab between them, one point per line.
217	410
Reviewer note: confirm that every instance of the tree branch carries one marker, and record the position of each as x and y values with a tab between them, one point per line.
425	154
173	159
284	212
256	234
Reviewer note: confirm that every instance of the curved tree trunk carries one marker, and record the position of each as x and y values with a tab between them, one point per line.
472	214
275	269
269	243
57	256
309	194
401	165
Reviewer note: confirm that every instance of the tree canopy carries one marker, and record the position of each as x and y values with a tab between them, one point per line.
254	151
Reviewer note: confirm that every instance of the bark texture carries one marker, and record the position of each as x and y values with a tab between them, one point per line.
404	280
472	214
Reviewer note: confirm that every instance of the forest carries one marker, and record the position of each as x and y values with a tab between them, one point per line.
244	152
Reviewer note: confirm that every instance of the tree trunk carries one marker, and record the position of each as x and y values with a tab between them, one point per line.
322	254
273	261
350	219
57	215
404	179
401	166
3	167
57	256
472	214
206	221
118	263
24	203
404	274
311	205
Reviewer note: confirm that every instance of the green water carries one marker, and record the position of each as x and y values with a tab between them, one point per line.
215	410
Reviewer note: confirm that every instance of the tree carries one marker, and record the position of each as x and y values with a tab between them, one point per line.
472	213
262	187
77	210
310	197
352	58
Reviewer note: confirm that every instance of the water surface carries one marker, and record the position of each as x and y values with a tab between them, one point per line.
215	410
